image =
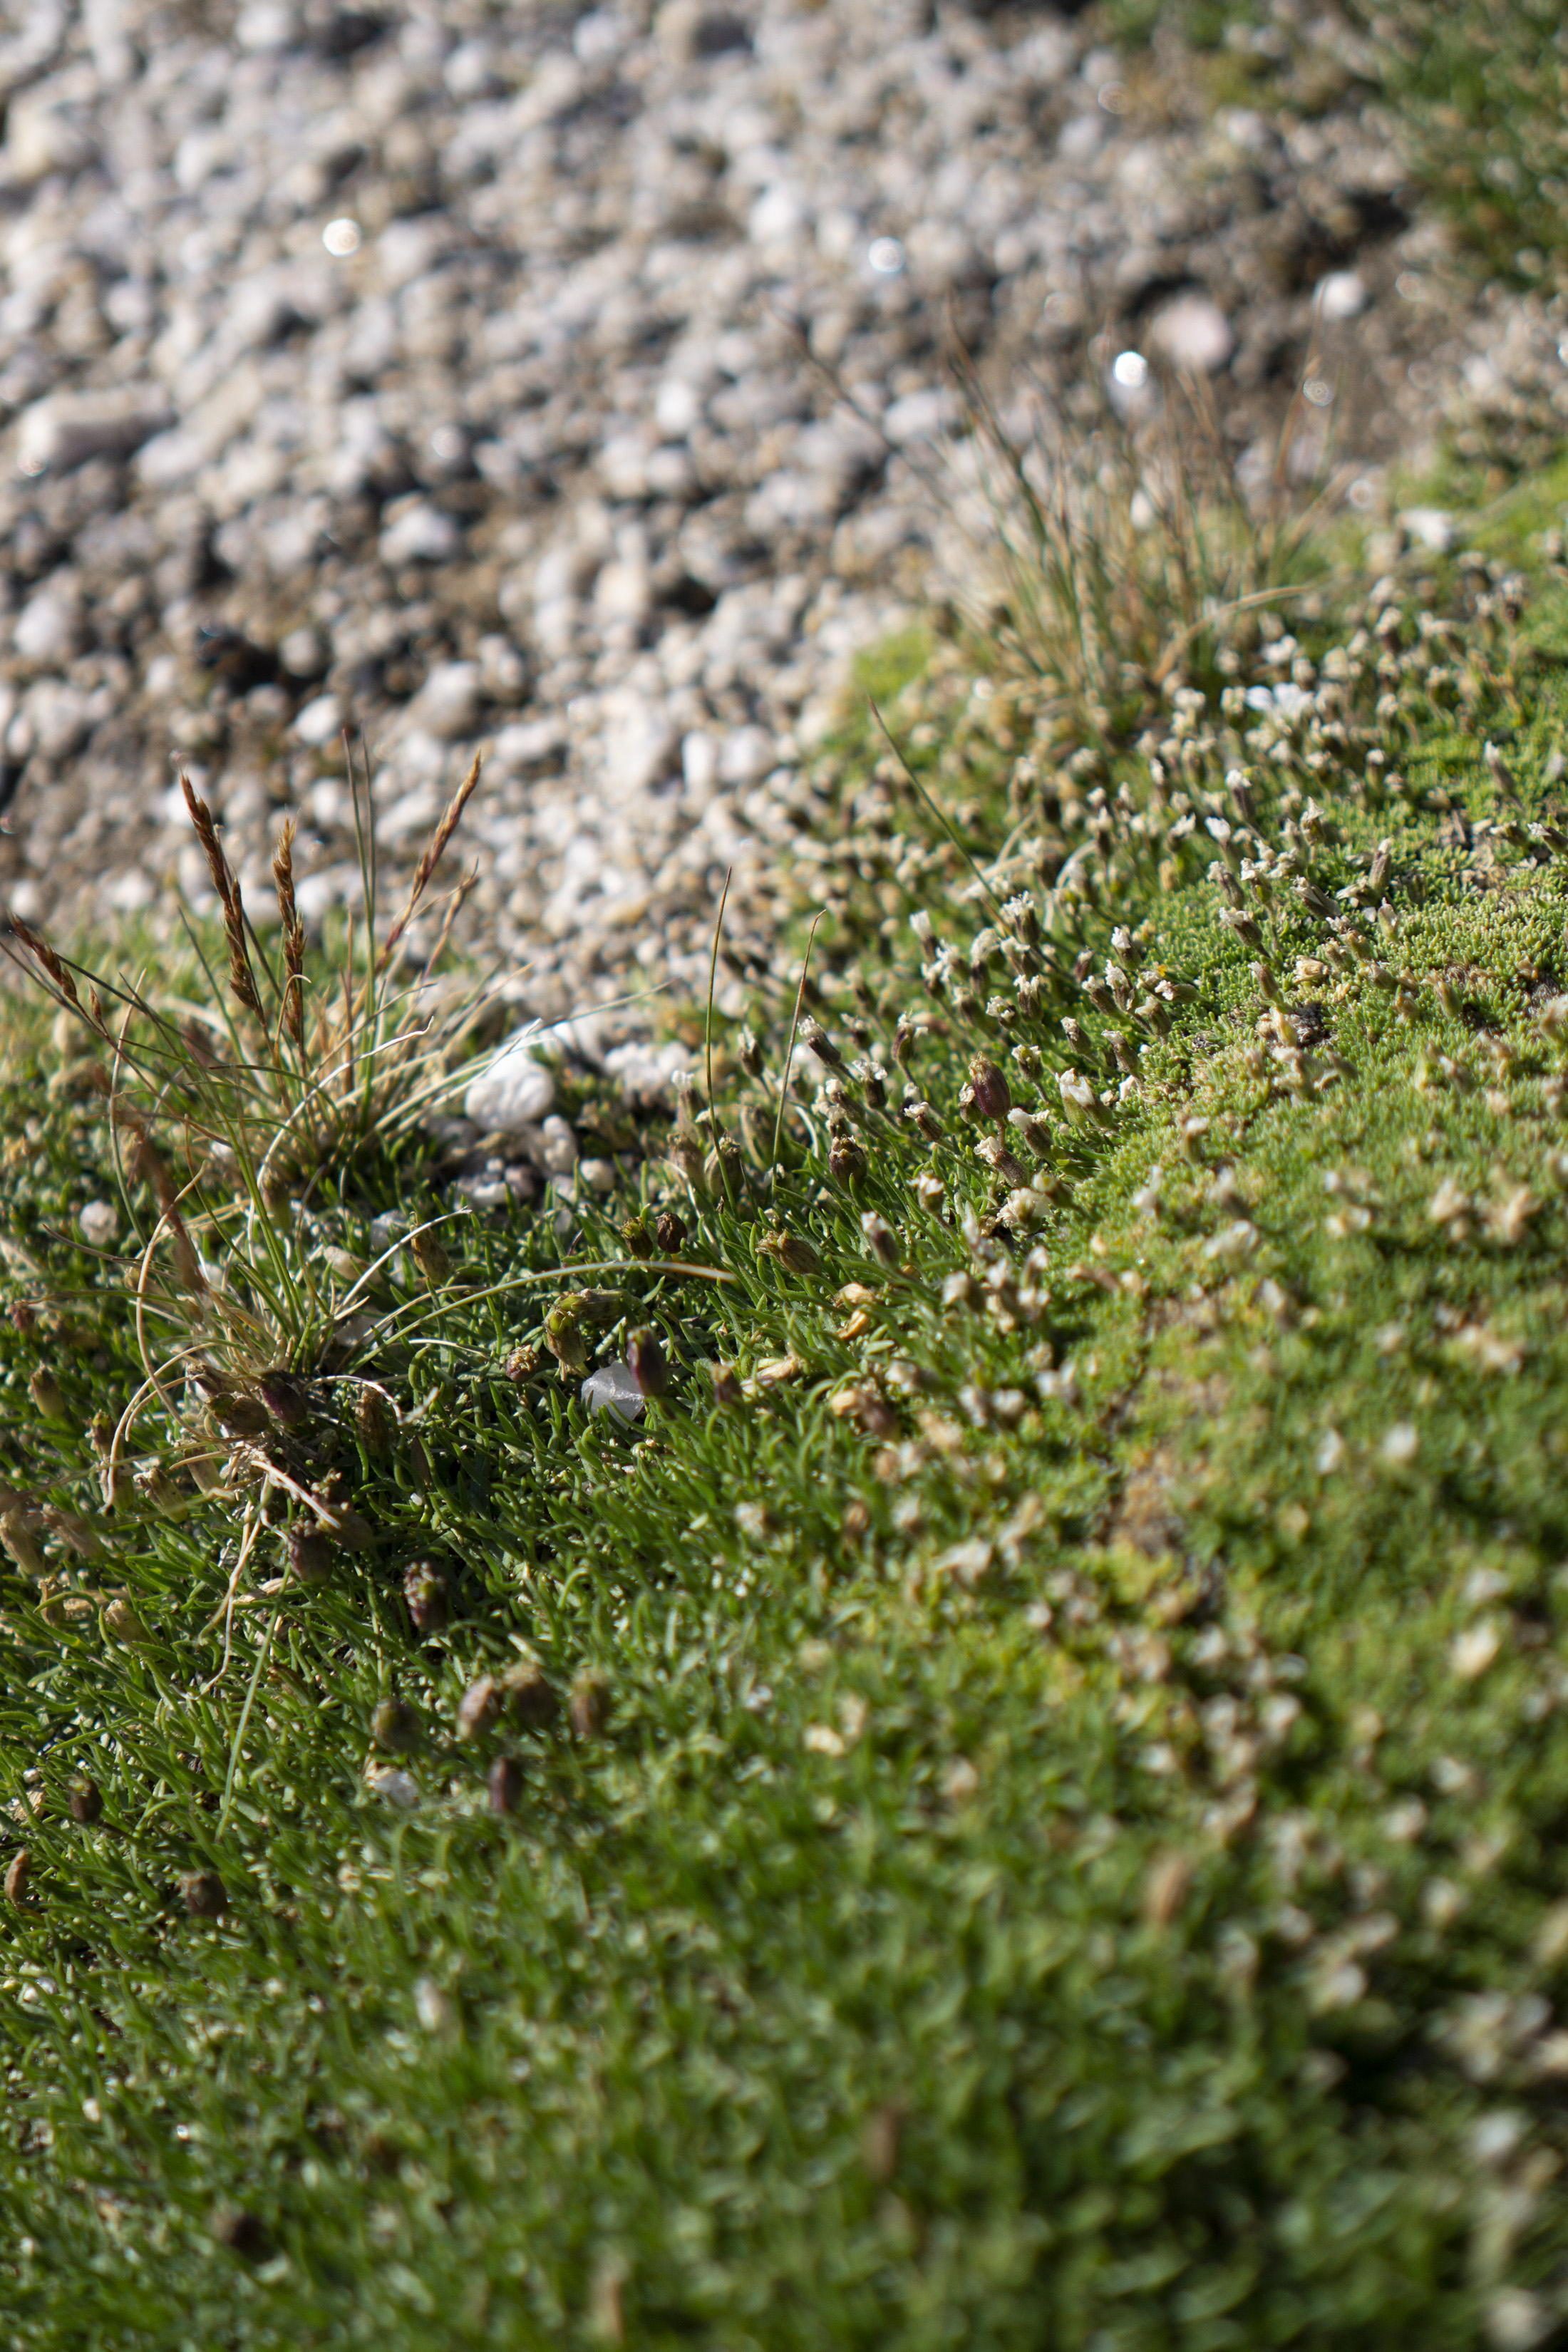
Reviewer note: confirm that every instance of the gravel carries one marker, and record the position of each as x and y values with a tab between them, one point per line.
472	376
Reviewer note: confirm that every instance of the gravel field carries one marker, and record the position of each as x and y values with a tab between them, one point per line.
442	372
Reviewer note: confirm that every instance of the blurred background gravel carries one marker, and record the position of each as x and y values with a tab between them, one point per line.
473	376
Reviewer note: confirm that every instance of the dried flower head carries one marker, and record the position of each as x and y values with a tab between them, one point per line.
791	1251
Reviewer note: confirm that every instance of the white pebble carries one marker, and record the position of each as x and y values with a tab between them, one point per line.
515	1091
613	1390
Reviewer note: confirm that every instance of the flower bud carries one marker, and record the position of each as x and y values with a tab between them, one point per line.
873	1079
425	1590
47	1394
309	1555
506	1785
23	1316
638	1240
373	1421
205	1896
352	1531
748	1046
521	1364
726	1385
531	1698
793	1252
993	1097
646	1361
880	1240
395	1726
121	1621
430	1256
85	1800
564	1336
241	1415
846	1161
670	1232
16	1877
22	1543
479	1707
813	1035
592	1700
285	1396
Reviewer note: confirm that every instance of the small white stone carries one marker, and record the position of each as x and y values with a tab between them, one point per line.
746	755
1341	294
1194	334
559	1146
99	1221
319	721
448	705
302	653
49	629
613	1388
420	534
515	1091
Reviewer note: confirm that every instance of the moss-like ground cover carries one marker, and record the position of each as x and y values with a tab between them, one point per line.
1022	1801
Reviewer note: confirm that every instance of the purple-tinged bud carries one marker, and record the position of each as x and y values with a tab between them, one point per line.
592	1701
395	1726
531	1700
16	1877
285	1396
84	1800
670	1232
506	1785
425	1590
993	1098
813	1035
479	1707
880	1240
647	1362
748	1047
205	1896
726	1385
309	1555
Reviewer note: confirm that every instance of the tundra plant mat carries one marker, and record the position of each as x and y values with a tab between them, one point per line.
1020	1803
